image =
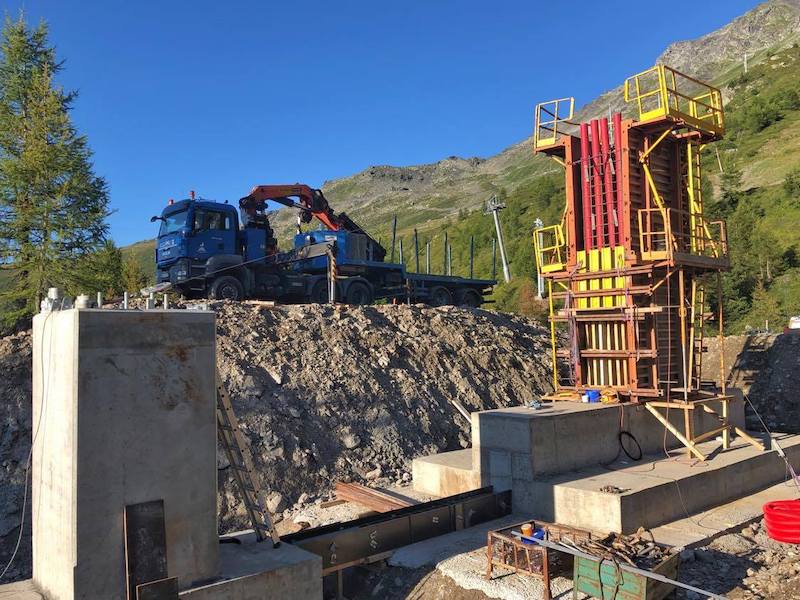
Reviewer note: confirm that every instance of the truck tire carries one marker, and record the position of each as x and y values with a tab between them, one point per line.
226	287
320	293
440	296
358	294
469	298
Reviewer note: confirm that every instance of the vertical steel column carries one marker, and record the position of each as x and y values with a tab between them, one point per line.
416	250
394	236
597	184
608	184
586	195
618	158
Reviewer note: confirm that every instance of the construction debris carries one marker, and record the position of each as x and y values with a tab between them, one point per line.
638	550
369	497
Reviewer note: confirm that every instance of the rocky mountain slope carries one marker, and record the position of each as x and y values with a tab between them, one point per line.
426	195
324	394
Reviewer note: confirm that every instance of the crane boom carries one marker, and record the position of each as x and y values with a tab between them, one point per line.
310	201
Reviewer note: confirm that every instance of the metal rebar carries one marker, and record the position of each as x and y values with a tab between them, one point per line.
471	256
394	235
428	257
444	254
416	250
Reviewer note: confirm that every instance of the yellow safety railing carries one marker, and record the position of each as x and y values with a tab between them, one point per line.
663	92
548	117
548	243
662	233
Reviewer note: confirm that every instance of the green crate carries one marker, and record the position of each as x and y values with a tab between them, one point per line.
621	585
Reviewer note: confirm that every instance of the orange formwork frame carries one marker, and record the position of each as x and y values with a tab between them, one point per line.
627	267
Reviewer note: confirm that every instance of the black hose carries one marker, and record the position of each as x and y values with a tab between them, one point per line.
629	435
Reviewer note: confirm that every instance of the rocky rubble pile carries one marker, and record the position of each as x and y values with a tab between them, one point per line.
744	565
764	366
323	394
355	393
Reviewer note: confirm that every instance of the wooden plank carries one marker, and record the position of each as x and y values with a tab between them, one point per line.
373	499
163	589
145	544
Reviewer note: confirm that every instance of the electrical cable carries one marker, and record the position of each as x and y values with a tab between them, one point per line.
33	439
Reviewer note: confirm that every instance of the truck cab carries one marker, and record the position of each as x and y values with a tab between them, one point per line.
192	233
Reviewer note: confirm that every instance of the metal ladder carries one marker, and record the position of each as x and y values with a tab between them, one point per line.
232	440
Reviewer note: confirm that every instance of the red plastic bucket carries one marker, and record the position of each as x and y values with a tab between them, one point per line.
782	518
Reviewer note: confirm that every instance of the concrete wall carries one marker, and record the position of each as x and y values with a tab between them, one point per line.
124	412
513	446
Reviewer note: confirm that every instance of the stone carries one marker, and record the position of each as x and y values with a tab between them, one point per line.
276	503
351	440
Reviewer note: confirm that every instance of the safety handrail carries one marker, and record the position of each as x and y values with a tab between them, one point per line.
548	116
548	243
672	98
658	237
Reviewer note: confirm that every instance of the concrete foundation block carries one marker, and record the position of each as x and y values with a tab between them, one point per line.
445	474
124	406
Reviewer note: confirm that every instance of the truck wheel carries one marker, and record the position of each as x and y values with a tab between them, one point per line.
469	298
440	296
226	288
358	293
320	293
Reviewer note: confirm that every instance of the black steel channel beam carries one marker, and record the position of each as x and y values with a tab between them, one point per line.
343	544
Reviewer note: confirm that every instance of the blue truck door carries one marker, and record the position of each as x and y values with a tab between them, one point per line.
214	233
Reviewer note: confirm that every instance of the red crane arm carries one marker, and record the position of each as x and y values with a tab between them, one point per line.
310	201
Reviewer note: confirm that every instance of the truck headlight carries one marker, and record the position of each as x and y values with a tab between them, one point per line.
182	270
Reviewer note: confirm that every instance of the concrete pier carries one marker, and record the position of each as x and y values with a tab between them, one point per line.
124	409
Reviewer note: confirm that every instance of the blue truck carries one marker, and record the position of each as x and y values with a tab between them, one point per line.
203	251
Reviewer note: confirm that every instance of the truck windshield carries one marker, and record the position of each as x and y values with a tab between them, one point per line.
173	222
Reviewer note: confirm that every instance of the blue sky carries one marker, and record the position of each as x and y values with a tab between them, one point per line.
218	96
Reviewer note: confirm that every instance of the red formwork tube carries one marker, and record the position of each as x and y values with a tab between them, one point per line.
597	184
616	120
608	187
586	201
782	519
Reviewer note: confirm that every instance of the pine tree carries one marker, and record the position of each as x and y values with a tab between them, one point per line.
53	207
133	276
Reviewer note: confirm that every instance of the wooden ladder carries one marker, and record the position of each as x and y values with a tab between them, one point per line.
232	440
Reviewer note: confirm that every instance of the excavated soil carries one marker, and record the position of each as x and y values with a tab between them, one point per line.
323	394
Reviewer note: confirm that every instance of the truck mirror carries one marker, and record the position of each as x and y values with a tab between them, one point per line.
156	218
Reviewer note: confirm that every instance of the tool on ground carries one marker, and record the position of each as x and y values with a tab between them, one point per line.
241	462
561	547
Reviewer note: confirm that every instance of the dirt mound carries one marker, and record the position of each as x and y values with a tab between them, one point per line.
765	367
324	394
342	393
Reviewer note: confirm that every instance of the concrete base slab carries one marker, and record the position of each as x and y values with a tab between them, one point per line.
655	490
700	528
445	474
257	571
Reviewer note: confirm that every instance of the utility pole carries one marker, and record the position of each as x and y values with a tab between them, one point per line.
494	207
537	224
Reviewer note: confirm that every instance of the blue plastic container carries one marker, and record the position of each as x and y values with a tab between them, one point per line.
593	395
